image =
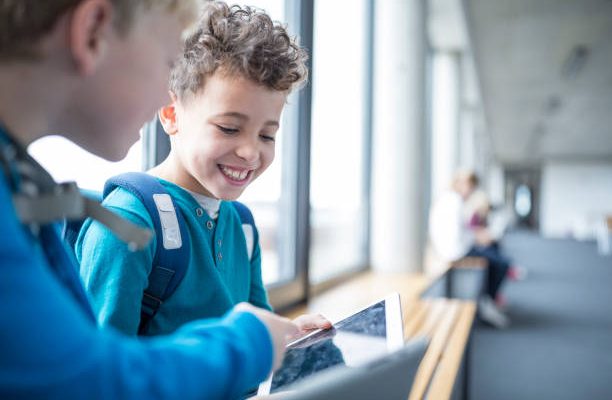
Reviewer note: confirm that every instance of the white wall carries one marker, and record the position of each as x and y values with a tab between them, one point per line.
574	197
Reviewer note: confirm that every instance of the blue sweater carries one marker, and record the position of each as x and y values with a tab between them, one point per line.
219	274
51	348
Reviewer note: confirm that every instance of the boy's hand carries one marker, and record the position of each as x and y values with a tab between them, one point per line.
309	322
280	328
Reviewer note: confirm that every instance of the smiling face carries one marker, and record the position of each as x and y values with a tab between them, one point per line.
223	137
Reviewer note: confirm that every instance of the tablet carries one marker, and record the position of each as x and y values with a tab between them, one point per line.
353	341
397	370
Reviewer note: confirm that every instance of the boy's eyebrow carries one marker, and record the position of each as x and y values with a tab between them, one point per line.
233	114
244	117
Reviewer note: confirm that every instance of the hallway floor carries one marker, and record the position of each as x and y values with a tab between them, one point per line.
559	344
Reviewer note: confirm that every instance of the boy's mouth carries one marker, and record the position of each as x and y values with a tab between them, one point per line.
235	175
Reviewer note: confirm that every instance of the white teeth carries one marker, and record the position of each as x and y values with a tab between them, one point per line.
237	175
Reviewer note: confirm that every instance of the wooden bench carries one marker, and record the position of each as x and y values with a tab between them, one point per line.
461	279
446	322
362	290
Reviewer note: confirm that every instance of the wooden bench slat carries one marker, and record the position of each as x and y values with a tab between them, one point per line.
437	344
470	262
436	312
441	387
415	320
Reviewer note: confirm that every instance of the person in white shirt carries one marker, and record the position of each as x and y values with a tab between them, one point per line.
452	238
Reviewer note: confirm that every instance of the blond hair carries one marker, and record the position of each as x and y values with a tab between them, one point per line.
465	176
239	42
25	22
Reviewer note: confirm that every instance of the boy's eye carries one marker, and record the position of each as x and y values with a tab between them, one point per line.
226	130
267	138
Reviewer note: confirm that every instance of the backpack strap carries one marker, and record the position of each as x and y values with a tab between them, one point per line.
173	243
71	228
248	226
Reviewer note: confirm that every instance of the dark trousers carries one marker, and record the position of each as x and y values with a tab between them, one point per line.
498	266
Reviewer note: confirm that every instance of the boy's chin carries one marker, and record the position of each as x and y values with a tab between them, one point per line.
228	192
227	195
107	151
117	155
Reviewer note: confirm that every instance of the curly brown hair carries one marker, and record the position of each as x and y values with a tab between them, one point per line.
25	22
239	42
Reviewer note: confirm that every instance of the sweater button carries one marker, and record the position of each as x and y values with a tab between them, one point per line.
199	212
209	224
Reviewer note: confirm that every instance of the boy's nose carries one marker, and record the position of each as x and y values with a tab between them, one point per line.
248	150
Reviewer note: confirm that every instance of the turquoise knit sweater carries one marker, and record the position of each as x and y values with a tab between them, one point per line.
219	274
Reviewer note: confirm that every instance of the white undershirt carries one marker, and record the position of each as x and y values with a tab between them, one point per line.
212	209
210	205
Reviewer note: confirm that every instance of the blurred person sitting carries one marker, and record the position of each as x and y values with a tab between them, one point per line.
453	237
478	213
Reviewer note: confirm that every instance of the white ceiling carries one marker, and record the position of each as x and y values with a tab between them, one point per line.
534	111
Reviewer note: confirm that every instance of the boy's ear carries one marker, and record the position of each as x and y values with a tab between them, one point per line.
89	27
167	117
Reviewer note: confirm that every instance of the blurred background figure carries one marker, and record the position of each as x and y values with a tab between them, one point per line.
458	229
482	216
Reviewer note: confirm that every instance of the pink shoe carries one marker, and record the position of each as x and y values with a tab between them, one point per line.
516	273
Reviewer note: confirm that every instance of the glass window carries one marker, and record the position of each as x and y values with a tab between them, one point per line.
264	199
338	203
264	195
66	161
522	201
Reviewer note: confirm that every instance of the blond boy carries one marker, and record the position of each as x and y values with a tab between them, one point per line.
93	71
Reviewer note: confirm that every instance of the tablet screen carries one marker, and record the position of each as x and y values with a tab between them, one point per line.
352	341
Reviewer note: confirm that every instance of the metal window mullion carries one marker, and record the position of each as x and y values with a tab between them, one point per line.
305	22
368	106
156	144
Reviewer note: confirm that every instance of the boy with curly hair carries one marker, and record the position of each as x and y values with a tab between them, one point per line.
94	71
227	94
